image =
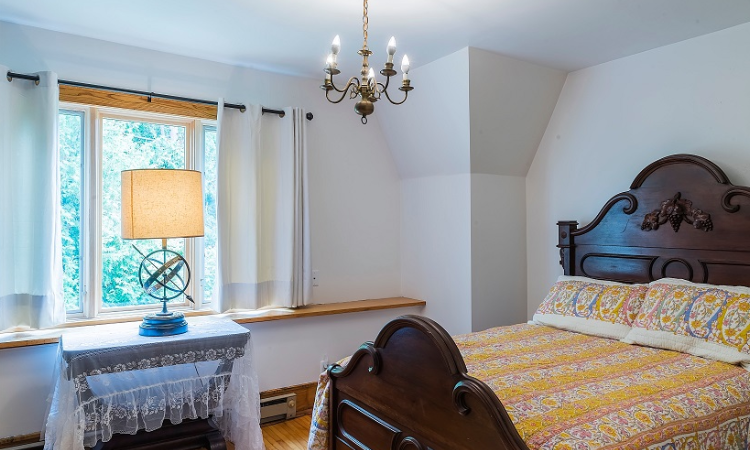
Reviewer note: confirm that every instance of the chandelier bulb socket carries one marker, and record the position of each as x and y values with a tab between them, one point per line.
388	71
406	86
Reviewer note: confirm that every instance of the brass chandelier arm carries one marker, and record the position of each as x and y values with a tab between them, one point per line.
383	87
406	95
352	83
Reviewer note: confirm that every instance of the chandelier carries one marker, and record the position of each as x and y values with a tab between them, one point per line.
368	89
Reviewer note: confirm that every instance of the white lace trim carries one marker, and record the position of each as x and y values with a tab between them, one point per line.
102	402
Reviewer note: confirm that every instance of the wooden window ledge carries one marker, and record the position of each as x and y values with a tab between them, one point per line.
52	335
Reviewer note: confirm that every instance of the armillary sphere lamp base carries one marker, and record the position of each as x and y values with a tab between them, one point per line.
161	324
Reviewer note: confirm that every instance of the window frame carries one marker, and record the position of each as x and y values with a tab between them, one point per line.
91	207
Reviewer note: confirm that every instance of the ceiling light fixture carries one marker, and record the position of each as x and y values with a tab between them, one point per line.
368	88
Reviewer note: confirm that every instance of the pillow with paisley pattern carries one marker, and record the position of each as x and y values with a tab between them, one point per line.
589	306
700	319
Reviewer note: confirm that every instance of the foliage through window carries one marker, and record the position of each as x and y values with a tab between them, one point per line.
101	269
71	163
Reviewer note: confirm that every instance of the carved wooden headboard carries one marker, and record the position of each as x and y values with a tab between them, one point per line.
681	218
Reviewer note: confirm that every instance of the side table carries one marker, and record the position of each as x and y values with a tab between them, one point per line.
111	380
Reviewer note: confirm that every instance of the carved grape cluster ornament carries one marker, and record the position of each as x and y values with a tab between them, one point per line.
675	210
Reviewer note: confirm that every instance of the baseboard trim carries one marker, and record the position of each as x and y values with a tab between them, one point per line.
25	441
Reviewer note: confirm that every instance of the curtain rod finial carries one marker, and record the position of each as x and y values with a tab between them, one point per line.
309	116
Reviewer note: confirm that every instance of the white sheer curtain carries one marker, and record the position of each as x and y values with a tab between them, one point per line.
31	293
263	230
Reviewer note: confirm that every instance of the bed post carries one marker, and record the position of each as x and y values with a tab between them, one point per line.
567	245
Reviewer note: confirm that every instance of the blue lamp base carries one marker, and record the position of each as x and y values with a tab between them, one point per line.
163	324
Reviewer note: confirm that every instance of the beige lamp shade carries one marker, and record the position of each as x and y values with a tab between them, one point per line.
162	203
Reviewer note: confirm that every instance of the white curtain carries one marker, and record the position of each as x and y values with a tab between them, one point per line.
294	144
263	230
31	292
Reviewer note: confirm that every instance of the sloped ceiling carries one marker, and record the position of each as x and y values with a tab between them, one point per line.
487	117
511	102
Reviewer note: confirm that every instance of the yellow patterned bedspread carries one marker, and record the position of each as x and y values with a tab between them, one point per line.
566	390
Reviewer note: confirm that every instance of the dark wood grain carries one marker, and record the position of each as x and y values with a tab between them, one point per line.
618	247
409	389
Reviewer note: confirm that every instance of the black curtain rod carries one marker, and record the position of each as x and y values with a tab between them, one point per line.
150	95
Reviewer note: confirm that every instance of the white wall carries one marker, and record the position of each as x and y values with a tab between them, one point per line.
614	119
26	380
436	247
498	250
462	145
511	103
354	194
429	135
429	138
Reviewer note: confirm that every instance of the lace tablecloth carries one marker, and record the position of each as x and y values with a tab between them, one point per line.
111	380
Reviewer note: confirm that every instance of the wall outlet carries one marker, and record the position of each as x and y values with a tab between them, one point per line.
316	278
324	363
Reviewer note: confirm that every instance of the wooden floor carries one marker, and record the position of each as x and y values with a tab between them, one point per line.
286	435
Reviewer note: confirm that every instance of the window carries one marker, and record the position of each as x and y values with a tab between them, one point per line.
96	144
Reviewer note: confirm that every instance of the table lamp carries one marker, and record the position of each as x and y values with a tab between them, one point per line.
162	204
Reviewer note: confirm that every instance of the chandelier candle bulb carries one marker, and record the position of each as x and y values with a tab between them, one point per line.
391	49
336	46
371	78
405	67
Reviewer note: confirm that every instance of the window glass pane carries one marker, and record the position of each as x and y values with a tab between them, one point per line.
70	144
209	241
127	145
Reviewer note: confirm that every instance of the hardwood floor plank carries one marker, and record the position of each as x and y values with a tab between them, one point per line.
287	435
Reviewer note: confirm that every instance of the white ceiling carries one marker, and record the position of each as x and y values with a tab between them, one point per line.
293	36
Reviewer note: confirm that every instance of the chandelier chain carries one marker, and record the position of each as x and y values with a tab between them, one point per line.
365	21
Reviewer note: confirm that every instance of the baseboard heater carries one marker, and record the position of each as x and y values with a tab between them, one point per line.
278	408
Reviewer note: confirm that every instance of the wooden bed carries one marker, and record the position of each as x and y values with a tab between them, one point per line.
409	389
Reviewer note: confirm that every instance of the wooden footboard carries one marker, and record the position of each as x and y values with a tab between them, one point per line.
409	391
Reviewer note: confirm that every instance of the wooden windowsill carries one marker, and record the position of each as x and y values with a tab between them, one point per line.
52	335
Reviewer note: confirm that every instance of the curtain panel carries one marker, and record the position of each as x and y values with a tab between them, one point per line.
262	211
31	286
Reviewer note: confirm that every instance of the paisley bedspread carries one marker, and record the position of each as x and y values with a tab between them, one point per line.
565	390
